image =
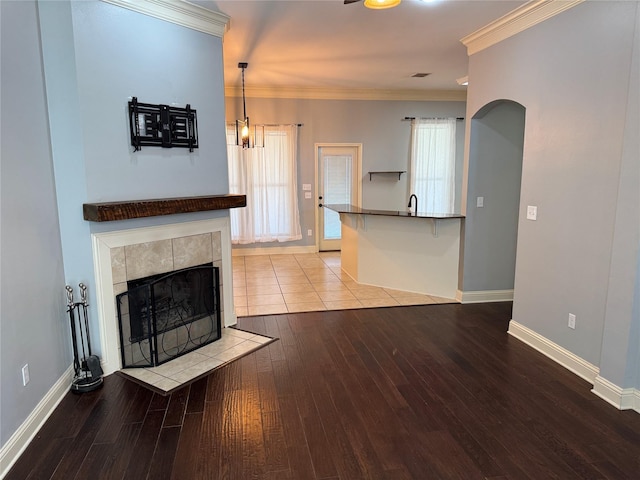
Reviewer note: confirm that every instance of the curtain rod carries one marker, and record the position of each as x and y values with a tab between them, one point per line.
271	124
406	119
278	124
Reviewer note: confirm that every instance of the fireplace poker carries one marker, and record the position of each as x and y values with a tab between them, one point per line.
91	362
83	362
85	305
70	308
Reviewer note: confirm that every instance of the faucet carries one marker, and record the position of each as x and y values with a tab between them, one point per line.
413	195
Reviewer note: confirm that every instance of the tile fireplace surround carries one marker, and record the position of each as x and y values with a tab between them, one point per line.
124	255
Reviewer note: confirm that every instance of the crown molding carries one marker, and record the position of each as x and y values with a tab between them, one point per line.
314	93
514	22
179	12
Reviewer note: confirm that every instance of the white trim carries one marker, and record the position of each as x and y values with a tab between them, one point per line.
314	93
621	398
104	242
179	12
484	296
22	437
248	252
514	22
564	357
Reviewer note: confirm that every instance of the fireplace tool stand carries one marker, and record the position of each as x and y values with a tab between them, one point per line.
88	372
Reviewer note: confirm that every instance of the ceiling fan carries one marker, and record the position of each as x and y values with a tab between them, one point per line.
376	4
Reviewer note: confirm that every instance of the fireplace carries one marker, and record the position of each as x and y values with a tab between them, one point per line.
129	255
164	316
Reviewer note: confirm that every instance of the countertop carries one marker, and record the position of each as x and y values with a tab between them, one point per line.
346	208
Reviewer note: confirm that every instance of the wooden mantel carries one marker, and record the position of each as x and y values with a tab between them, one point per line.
125	210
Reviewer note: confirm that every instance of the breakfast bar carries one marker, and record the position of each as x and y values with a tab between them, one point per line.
402	250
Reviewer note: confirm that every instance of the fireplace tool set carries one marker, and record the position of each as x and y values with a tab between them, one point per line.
88	372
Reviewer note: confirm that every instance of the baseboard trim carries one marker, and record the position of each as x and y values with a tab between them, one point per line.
484	296
21	438
247	252
621	398
564	357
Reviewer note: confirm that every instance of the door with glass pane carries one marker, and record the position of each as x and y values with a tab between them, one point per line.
339	180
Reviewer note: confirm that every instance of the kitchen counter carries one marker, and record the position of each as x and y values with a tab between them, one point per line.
345	208
401	250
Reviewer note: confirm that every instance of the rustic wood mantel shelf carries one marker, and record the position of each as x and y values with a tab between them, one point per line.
112	211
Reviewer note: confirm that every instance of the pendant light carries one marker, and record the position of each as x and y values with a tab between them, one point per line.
242	126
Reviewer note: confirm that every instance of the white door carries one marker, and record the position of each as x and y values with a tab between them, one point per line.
339	181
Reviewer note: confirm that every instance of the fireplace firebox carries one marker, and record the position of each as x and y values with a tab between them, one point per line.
164	316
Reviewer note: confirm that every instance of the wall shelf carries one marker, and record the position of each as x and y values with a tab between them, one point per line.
392	172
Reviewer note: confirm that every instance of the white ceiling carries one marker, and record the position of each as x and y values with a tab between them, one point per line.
326	44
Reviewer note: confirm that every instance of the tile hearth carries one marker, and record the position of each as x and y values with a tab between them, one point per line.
176	373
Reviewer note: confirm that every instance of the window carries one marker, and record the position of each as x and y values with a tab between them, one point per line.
432	172
336	189
268	177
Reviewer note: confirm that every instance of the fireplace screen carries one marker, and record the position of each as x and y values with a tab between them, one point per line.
164	316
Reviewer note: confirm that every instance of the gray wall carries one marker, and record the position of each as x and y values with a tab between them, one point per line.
96	57
33	326
572	74
620	360
88	57
120	54
495	170
377	124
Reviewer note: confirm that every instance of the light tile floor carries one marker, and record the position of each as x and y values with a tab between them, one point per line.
272	284
171	375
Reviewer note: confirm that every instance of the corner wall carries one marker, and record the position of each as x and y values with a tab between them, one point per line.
33	322
572	74
620	359
68	69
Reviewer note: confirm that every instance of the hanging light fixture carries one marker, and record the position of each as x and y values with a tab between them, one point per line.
380	4
242	126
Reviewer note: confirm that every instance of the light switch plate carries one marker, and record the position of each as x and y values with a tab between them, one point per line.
307	194
306	186
480	202
25	375
532	212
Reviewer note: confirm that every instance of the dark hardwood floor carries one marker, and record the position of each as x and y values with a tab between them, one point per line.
425	392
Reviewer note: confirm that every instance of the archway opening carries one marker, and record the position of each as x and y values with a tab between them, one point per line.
493	201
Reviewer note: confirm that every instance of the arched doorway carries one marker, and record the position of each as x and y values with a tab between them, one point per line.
488	251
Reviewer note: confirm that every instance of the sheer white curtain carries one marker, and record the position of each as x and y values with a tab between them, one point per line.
268	177
433	157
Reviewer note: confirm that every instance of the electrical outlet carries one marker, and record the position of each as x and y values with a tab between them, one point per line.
25	375
309	232
572	321
532	212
